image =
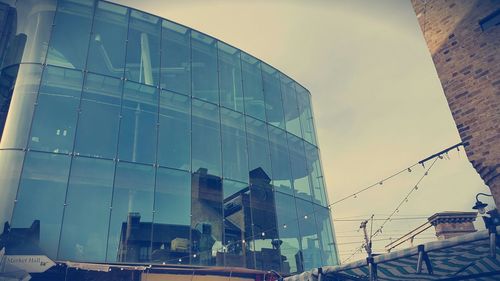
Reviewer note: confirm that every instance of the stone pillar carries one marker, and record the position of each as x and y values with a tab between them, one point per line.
452	224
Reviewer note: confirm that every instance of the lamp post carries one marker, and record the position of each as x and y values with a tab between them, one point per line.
480	206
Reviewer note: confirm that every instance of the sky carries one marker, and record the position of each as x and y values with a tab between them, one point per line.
378	103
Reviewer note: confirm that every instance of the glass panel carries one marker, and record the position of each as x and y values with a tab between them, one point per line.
230	84
237	225
272	93
206	220
280	160
143	48
97	132
252	87
174	138
137	141
86	217
132	214
204	63
309	238
172	218
234	146
36	223
315	174
289	233
306	118
206	144
299	167
10	169
326	240
176	58
258	150
22	103
109	37
56	112
32	29
266	240
290	106
71	32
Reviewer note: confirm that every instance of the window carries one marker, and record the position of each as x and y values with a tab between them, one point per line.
230	84
204	64
272	93
206	143
234	146
252	87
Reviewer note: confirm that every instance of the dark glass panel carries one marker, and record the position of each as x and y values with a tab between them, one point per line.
298	163
172	218
86	216
280	160
290	105
143	48
97	132
54	123
206	144
272	93
36	223
139	115
234	146
176	58
237	225
10	170
71	33
206	220
132	214
22	103
204	64
288	229
326	240
315	174
230	84
108	41
306	117
258	149
31	31
174	139
252	87
309	235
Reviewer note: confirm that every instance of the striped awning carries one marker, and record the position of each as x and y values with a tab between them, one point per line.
469	257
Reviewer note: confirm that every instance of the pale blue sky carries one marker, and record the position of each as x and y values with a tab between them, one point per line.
378	102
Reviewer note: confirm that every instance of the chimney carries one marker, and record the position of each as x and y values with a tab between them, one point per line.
452	224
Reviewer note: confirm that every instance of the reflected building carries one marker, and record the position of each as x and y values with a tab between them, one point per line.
128	138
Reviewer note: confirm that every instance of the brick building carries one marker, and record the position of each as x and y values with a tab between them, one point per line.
463	37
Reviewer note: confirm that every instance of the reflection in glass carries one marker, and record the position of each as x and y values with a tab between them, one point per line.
97	132
234	146
10	169
290	105
143	48
230	84
288	229
132	214
36	222
325	232
280	160
205	138
298	162
174	138
204	63
108	40
306	118
54	123
315	174
22	104
175	58
172	217
258	146
137	142
252	87
86	216
272	93
71	33
309	235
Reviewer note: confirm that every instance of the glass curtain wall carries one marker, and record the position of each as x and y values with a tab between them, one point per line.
130	138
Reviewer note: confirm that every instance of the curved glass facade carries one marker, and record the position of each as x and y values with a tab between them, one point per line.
128	138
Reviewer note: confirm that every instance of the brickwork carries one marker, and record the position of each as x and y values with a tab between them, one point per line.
464	41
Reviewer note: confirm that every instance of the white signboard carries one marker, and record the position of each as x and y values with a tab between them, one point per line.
31	263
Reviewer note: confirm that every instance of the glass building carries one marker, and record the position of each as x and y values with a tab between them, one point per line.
129	138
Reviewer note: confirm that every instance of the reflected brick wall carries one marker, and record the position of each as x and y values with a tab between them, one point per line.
463	37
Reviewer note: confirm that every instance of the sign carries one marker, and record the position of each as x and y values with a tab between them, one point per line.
29	263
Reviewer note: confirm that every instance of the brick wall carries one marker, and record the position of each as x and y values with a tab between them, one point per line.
467	59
